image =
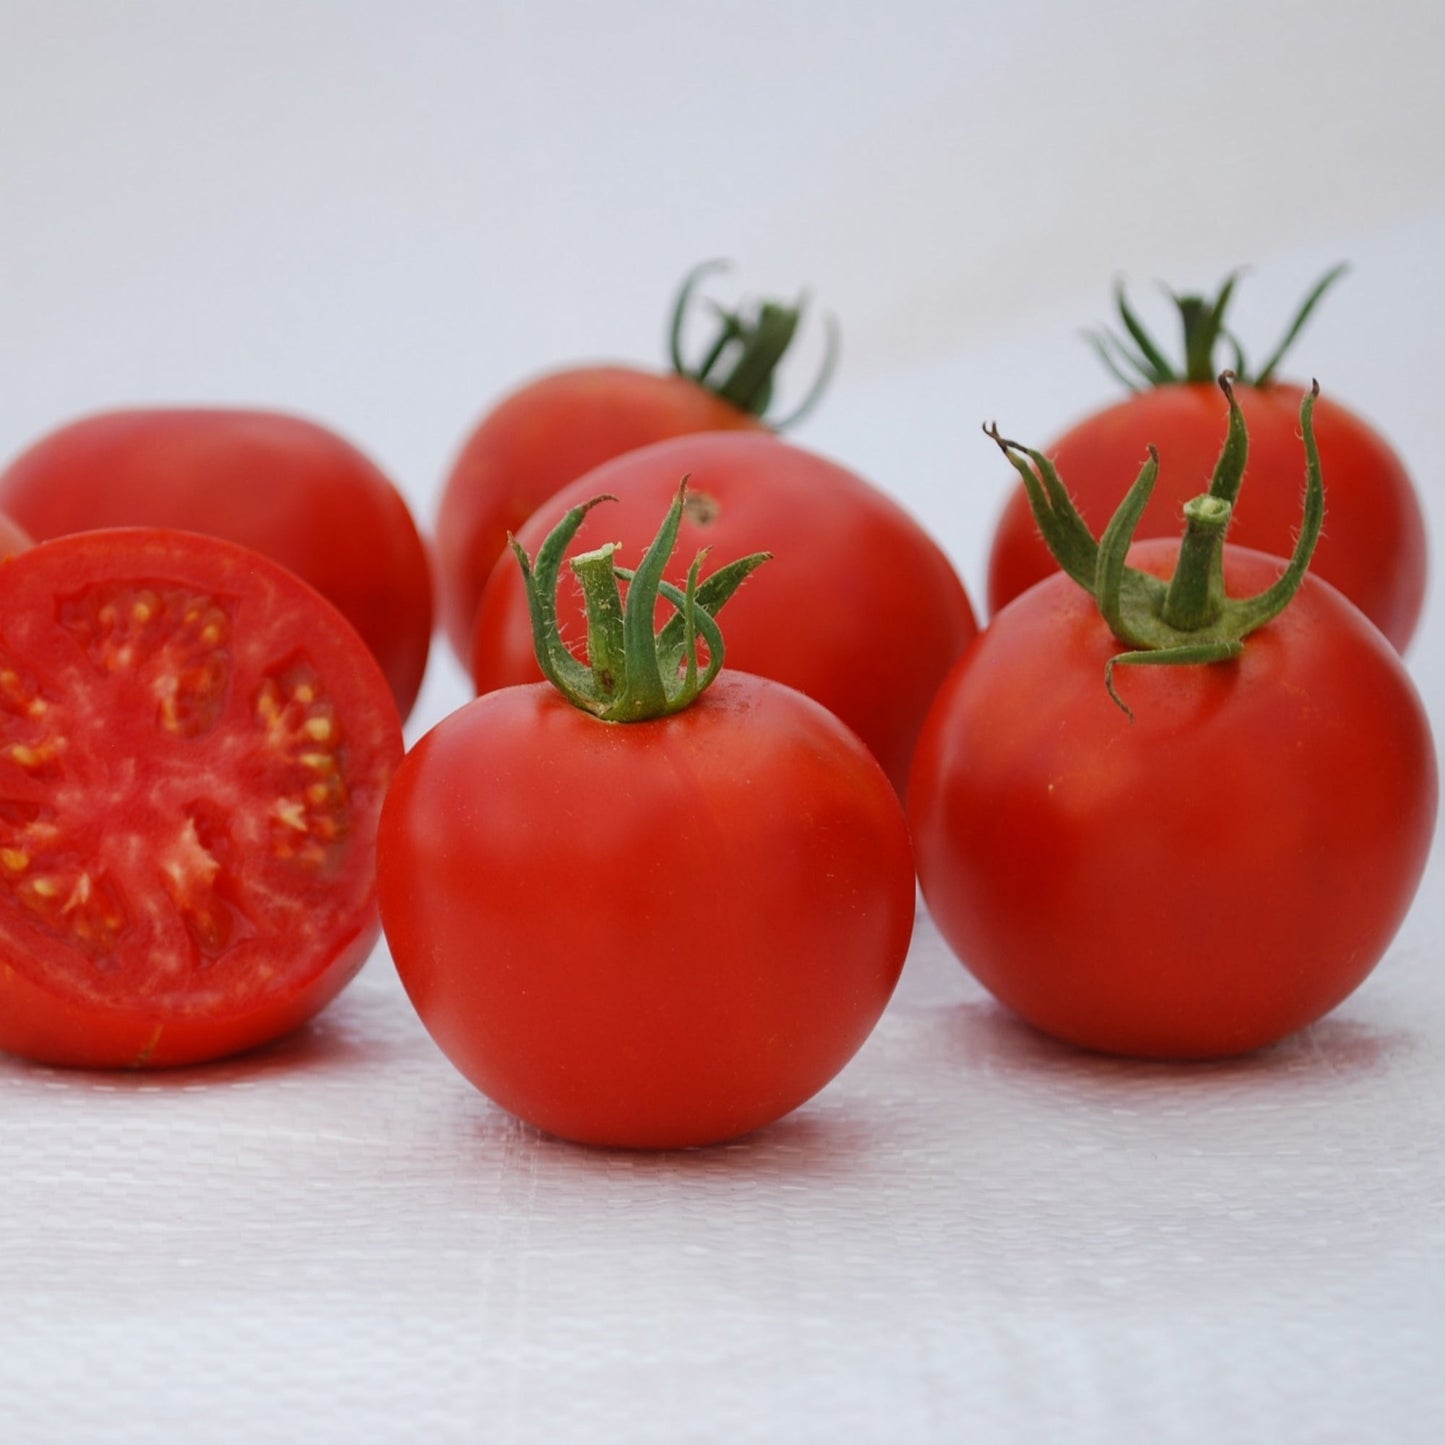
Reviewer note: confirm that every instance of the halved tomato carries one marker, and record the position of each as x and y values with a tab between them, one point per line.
194	747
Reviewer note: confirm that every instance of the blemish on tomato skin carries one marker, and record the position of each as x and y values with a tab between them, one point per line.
702	508
148	1049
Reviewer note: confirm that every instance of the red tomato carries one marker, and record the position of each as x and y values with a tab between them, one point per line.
283	486
646	934
861	610
533	444
195	749
1373	548
1203	880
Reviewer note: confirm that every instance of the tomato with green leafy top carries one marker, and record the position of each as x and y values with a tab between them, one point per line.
1374	547
1177	799
1204	879
642	904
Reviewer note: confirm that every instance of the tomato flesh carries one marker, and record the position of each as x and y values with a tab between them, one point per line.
193	748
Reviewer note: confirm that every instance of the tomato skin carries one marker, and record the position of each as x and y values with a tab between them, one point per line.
48	1028
537	440
145	764
1373	547
859	607
1203	880
646	935
282	485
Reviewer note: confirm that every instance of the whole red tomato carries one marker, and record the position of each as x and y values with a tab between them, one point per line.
284	486
1374	547
554	429
1201	871
194	746
862	610
652	933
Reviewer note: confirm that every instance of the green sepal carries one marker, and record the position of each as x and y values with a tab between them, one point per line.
741	361
712	592
1187	619
1143	364
634	673
1064	531
1190	655
540	579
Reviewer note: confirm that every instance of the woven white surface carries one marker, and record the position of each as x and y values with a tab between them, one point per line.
973	1234
383	216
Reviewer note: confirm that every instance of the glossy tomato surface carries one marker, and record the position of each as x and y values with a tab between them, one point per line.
1203	880
195	749
537	440
1373	547
859	607
648	934
276	483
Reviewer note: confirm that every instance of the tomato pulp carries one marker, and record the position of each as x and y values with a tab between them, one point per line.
195	750
1204	879
646	934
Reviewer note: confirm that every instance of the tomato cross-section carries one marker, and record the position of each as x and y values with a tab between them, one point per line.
194	746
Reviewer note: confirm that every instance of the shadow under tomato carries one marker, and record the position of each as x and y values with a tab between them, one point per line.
986	1037
816	1139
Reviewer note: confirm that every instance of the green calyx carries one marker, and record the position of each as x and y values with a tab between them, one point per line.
1140	363
633	673
1188	618
740	362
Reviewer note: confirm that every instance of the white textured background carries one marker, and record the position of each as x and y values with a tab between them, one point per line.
383	215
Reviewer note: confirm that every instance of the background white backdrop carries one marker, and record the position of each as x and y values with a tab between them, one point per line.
384	215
